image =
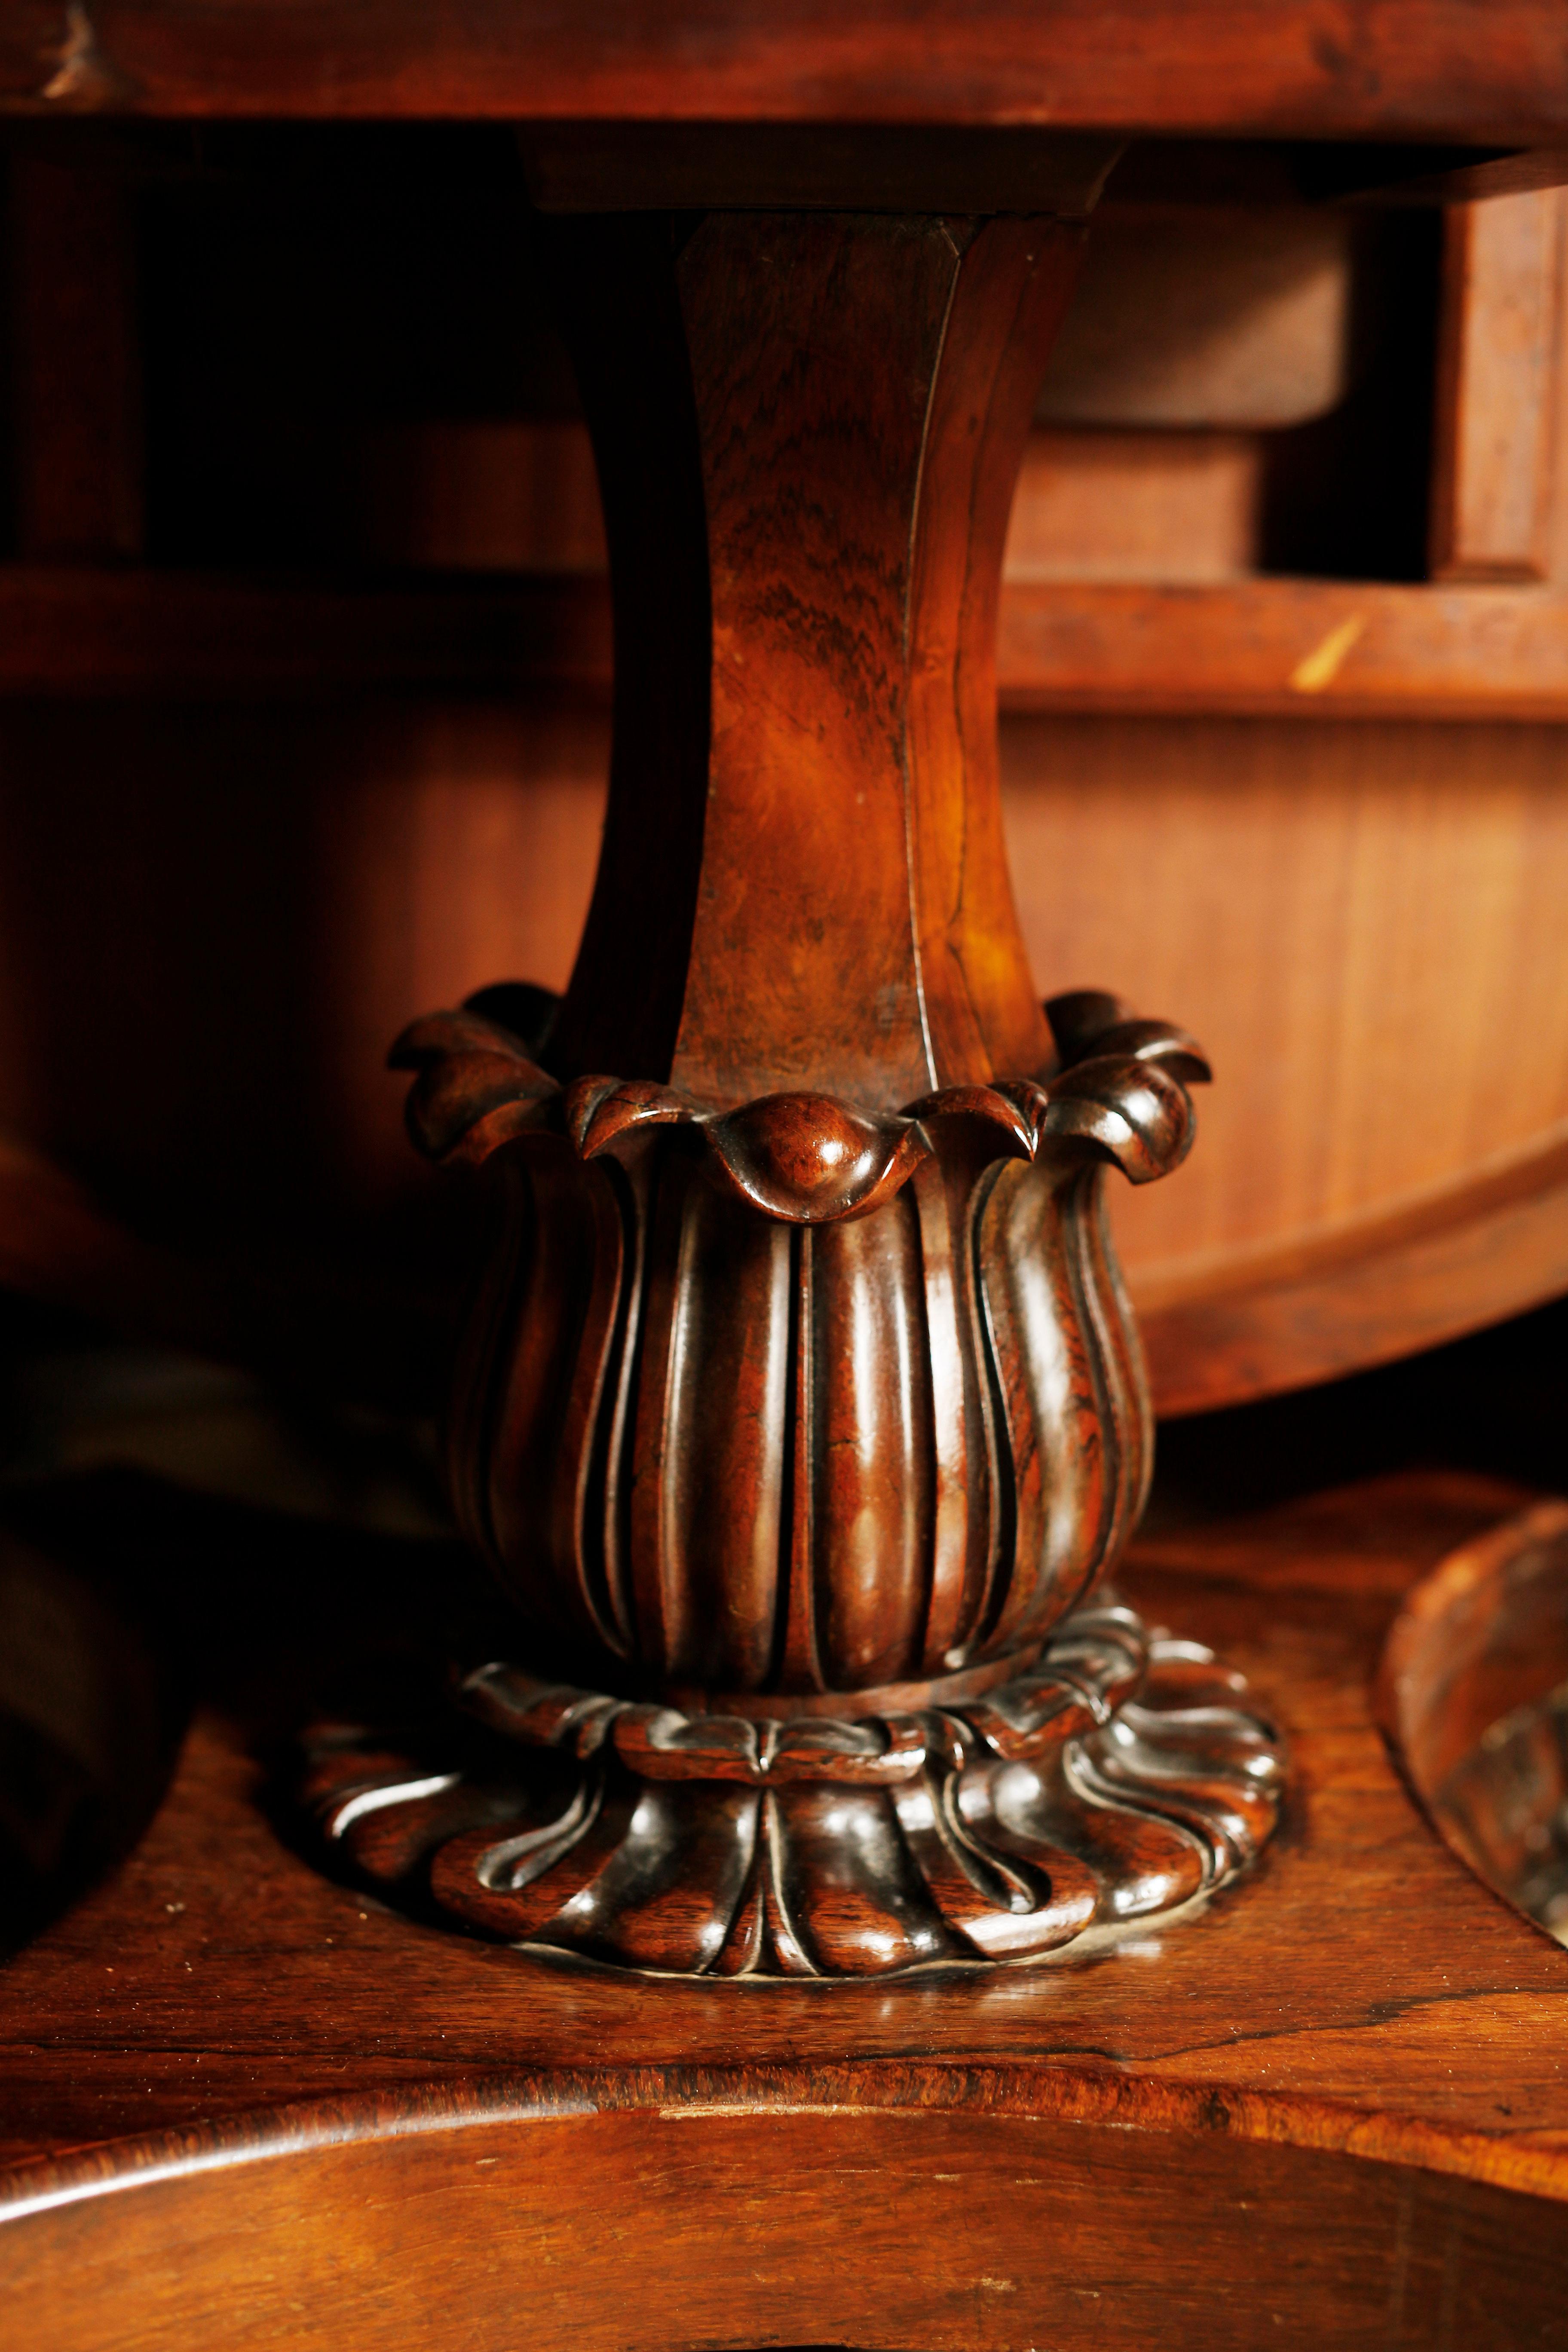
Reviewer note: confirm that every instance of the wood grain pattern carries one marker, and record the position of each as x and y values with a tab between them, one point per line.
1401	69
1307	649
800	1377
1358	901
452	842
466	854
1473	1690
805	755
1117	1780
841	539
1362	2130
812	1425
1498	397
1383	1285
1065	645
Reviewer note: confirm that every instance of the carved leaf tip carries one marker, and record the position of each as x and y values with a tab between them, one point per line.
808	1159
469	1069
1134	1114
1011	1107
1088	1024
600	1110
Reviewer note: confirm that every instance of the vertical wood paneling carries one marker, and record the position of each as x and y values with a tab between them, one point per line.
1498	386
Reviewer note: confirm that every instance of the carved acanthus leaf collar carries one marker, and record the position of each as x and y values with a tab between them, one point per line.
1118	1094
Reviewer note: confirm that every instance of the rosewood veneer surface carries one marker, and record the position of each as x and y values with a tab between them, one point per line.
1341	2095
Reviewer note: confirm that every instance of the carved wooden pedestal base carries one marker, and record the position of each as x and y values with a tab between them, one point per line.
242	2105
800	1401
1116	1780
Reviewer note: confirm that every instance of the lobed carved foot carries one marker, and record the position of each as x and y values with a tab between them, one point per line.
1118	1777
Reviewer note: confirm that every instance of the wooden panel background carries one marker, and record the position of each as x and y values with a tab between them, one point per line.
1370	942
211	931
248	826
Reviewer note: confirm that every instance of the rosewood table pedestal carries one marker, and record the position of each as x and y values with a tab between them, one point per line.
801	1410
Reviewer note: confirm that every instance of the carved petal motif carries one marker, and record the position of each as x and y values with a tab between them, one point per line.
1008	1110
806	1157
469	1070
599	1111
1118	1779
1129	1112
1087	1024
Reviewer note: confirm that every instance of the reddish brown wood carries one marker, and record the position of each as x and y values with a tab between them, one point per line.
1496	421
802	1383
1449	651
439	852
1382	1286
840	535
1474	1692
1399	69
1306	648
1336	2095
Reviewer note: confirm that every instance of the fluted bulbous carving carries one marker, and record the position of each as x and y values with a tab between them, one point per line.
790	1403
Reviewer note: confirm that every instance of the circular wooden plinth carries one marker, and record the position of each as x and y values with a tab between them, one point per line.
1117	1779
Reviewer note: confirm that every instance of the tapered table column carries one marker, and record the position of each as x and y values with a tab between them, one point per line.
801	1411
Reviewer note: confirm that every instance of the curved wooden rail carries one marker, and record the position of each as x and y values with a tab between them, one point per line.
1446	1262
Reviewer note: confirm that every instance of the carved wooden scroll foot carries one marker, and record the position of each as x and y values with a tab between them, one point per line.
1118	1779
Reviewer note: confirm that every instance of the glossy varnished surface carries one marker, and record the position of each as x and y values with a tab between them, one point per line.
781	1379
309	876
1474	1696
1362	1991
805	552
1337	2098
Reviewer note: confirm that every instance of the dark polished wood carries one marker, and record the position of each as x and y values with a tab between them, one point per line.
804	769
800	1401
1333	2101
1474	1696
801	1407
1272	1262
